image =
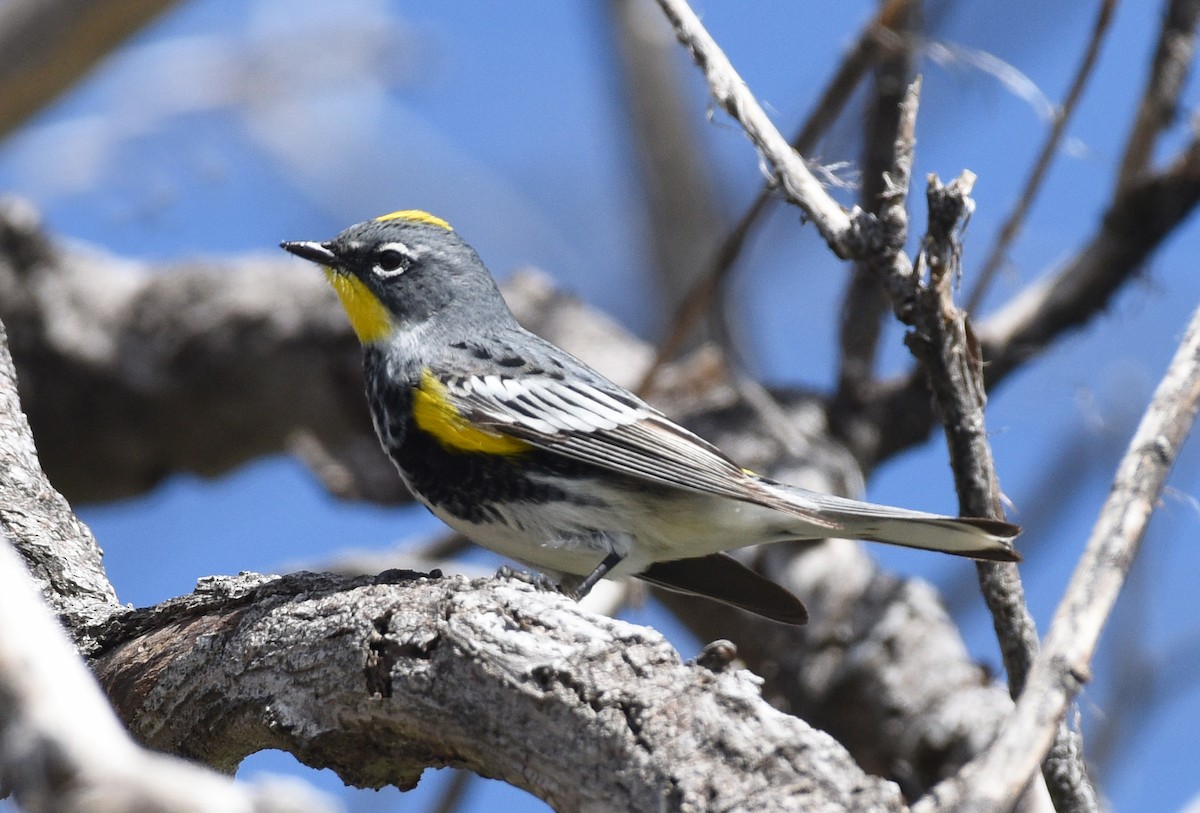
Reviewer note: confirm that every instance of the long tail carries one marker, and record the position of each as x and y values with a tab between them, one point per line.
974	537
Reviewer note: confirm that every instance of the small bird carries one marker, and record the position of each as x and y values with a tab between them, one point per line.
527	451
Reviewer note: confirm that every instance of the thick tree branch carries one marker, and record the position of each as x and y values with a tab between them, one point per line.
993	780
49	44
59	550
221	636
63	751
380	678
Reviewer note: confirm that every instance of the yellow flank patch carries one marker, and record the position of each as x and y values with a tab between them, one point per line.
416	216
368	316
434	414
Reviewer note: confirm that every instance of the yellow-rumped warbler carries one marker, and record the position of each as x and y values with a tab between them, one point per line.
531	453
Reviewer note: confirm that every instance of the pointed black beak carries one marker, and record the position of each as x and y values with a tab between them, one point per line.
316	252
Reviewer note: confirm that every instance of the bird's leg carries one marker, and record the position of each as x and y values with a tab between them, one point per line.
570	586
584	587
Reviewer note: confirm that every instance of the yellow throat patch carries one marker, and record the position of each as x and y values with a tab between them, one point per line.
369	318
434	414
415	216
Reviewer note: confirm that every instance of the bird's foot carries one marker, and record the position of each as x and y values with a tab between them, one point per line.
539	581
570	586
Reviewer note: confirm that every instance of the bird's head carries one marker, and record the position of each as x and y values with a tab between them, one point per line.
399	270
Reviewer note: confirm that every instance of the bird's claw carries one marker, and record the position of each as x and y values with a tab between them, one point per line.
539	581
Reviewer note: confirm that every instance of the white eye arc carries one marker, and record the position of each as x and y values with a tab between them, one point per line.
393	259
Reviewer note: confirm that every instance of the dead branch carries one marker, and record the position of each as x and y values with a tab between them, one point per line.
380	678
443	672
838	227
994	779
49	44
865	303
876	39
62	750
1137	222
1159	107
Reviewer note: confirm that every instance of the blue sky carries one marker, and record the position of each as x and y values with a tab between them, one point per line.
227	127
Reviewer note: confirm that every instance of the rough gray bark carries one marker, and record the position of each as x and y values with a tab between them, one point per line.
59	550
380	678
62	750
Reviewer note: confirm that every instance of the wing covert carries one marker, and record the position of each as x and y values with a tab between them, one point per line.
600	426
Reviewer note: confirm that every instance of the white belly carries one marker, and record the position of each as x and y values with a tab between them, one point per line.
565	538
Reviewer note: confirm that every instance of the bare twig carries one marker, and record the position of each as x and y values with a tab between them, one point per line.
943	342
1062	115
1160	100
839	227
993	780
1080	454
865	303
876	38
1135	225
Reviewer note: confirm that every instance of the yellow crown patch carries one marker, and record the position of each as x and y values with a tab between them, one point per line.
415	216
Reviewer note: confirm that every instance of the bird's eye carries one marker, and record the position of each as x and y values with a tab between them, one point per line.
393	259
390	261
